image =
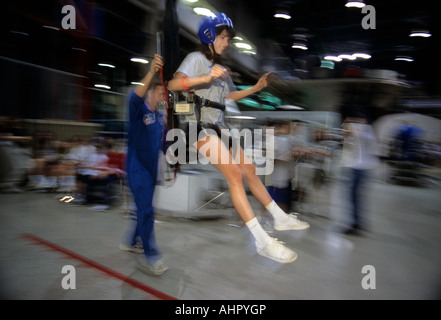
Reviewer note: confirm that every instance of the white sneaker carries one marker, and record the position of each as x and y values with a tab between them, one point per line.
137	248
156	269
276	251
291	223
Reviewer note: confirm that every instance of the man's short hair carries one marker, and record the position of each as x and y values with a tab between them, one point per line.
153	84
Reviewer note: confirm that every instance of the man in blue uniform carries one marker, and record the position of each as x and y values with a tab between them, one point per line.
145	141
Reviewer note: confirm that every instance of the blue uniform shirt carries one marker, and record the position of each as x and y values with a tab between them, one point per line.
145	135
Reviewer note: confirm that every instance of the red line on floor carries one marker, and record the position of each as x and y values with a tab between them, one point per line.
100	267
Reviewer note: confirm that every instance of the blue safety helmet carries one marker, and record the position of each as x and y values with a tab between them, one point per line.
207	28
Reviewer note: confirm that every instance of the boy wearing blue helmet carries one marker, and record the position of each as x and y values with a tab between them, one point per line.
203	72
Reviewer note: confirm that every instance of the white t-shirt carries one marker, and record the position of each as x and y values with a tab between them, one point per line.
360	148
283	168
195	65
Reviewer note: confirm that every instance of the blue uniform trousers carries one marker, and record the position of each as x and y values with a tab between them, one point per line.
142	184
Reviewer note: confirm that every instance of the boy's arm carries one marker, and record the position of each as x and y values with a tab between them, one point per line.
157	64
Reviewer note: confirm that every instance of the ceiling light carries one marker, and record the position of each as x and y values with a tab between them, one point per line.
137	83
282	16
333	58
191	1
103	86
204	12
19	32
243	45
347	56
106	65
51	27
140	60
424	34
79	49
362	55
403	58
238	38
299	46
249	52
355	4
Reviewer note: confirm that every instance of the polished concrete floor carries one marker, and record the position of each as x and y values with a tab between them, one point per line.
214	258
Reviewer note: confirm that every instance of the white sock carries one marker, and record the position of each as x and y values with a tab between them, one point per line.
257	231
277	213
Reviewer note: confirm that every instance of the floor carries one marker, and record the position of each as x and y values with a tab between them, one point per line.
53	250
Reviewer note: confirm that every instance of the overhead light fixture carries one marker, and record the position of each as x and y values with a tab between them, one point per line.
137	83
404	58
243	45
355	4
298	45
102	86
191	1
362	55
300	42
106	65
333	58
19	32
140	60
51	27
203	12
249	52
347	56
282	14
420	33
79	49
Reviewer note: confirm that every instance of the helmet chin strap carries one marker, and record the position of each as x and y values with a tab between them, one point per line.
214	50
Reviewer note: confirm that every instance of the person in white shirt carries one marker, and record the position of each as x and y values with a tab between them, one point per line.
359	157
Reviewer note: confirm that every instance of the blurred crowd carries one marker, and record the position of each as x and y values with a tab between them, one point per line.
82	170
91	170
304	156
409	144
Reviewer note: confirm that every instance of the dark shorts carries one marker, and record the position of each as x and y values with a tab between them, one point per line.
280	195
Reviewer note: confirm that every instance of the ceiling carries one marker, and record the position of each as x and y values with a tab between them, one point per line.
327	26
331	28
114	31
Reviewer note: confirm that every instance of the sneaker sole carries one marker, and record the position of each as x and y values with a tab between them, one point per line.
263	254
152	272
125	248
283	228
